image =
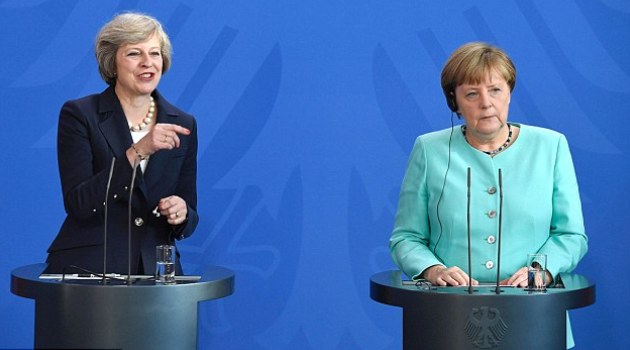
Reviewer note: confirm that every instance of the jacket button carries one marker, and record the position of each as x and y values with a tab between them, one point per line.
491	239
115	196
138	221
492	190
492	214
489	264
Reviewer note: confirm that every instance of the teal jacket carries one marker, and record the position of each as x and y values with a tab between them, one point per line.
541	205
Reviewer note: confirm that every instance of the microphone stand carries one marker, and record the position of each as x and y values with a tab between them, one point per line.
470	288
133	180
498	289
109	182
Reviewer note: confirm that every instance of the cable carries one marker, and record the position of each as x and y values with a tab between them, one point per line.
448	166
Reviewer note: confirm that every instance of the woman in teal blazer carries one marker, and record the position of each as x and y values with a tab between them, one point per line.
541	203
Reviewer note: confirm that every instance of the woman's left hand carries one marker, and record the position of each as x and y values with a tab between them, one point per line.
519	278
174	208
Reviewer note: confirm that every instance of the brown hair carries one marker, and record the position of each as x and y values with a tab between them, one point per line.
128	28
470	64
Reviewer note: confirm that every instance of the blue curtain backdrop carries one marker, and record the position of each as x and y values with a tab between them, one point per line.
307	112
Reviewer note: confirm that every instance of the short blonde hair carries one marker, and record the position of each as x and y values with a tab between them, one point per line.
470	64
128	28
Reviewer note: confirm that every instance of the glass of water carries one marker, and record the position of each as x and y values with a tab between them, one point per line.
537	272
165	264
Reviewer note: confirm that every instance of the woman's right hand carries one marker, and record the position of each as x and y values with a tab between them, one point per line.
440	275
161	136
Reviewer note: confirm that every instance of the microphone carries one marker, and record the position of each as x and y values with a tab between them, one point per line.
136	162
499	240
109	182
470	288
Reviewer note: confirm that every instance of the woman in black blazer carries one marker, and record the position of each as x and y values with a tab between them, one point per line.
133	126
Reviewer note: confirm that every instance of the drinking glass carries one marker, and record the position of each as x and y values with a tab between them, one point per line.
165	264
536	272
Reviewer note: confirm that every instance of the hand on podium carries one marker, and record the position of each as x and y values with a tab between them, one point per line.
440	275
519	278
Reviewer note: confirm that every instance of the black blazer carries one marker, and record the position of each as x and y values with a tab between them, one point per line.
92	130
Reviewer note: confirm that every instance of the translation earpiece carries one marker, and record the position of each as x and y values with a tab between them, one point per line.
452	104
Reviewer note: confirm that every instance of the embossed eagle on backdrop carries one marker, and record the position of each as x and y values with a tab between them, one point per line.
485	327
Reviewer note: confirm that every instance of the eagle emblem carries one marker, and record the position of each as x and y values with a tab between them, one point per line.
485	327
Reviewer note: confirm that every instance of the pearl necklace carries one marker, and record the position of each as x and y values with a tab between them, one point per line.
498	150
147	120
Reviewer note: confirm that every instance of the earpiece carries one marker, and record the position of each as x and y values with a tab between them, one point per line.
451	102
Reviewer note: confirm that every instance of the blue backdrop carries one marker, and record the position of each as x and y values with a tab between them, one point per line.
307	112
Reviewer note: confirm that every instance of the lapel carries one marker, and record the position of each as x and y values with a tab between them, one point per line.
113	124
159	161
114	128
